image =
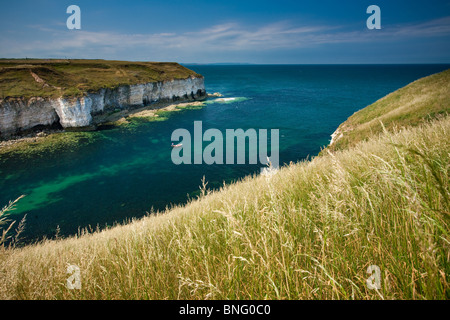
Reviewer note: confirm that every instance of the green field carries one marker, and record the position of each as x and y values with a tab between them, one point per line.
310	231
28	78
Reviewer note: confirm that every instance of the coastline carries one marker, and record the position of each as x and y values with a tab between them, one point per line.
84	102
54	138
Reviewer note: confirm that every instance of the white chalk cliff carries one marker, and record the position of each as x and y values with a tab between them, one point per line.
17	114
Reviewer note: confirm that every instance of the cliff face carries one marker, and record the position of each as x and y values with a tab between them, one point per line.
18	114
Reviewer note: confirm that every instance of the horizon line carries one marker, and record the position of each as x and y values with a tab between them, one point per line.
240	63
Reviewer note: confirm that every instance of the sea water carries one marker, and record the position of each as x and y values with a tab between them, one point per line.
127	172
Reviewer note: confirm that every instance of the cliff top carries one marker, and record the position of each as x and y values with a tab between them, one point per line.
52	78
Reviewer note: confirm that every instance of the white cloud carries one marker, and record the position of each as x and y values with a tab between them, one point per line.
228	37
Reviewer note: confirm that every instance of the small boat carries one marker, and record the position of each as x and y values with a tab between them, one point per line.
176	145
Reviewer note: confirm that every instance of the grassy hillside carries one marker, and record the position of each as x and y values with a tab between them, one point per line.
310	231
419	101
53	78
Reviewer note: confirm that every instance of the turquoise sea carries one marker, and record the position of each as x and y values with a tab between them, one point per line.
128	171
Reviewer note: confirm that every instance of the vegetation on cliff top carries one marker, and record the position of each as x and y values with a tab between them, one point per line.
53	78
422	100
309	231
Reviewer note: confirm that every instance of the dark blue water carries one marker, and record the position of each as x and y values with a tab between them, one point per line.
128	171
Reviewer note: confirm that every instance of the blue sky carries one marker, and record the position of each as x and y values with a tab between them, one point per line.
194	31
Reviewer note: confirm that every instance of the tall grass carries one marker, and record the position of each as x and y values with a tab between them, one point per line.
309	231
7	238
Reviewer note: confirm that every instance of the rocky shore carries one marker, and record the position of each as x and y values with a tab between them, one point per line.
86	112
